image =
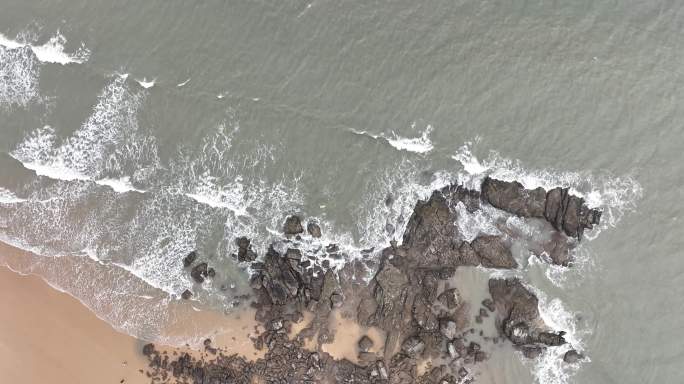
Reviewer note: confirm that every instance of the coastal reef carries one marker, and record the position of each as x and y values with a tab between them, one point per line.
406	292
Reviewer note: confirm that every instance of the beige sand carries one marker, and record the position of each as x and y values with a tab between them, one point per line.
47	336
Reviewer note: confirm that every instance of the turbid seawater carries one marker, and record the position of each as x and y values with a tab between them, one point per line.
134	132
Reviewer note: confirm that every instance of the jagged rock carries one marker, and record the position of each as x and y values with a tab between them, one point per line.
514	198
572	356
189	259
186	295
518	314
567	213
365	344
199	272
314	229
493	253
293	225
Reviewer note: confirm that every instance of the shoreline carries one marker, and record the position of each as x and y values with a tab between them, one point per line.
52	337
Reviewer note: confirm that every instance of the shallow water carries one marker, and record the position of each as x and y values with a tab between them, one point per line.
135	132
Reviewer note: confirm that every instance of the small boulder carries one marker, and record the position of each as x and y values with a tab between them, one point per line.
365	344
572	356
293	225
189	259
186	295
199	272
314	229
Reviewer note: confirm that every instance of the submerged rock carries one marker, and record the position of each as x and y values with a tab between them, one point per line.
189	259
199	272
572	356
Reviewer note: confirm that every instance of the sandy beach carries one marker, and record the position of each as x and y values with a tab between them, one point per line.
48	336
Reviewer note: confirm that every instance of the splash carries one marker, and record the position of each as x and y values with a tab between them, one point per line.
419	145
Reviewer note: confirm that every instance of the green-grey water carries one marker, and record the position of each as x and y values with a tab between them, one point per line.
134	132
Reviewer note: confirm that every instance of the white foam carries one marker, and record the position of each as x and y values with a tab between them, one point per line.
146	83
106	145
401	182
7	197
615	196
19	73
480	222
549	367
121	185
183	83
51	51
421	144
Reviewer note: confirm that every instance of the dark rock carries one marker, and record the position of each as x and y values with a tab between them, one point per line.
532	352
489	304
314	229
211	273
567	213
189	259
483	313
365	344
186	295
245	251
514	198
572	356
199	272
148	349
519	317
293	225
493	253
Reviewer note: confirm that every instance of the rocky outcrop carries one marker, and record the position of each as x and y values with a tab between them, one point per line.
518	315
566	212
409	296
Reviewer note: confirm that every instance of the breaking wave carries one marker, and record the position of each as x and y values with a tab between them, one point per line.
421	144
105	145
51	51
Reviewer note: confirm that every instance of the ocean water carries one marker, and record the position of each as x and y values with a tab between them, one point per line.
134	132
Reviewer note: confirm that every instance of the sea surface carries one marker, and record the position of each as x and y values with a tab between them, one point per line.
132	132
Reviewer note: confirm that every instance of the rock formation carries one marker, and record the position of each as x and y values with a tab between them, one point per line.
408	297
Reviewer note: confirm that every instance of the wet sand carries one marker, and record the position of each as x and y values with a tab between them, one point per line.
48	336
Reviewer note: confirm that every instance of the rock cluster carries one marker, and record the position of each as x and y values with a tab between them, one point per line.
408	297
